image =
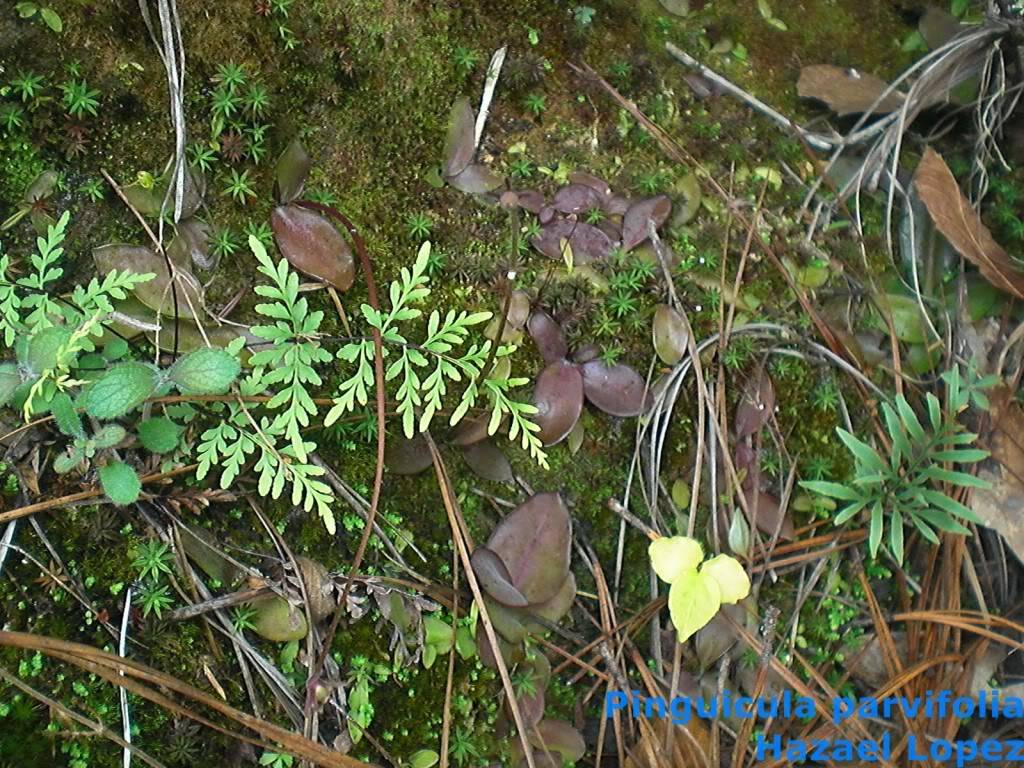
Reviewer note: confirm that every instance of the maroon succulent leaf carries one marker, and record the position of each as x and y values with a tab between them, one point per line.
541	759
291	172
149	200
534	542
586	353
494	578
615	389
617	205
767	513
634	224
587	241
407	457
531	706
146	200
611	228
460	143
509	199
530	200
156	293
554	609
558	397
671	334
313	245
589	180
487	460
718	636
470	430
507	621
558	736
511	652
476	179
193	192
546	214
518	313
548	336
576	198
756	405
701	86
744	461
192	244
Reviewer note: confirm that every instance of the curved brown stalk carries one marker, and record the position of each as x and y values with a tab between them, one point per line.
71	498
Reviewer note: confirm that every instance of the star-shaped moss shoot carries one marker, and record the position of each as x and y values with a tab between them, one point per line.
698	587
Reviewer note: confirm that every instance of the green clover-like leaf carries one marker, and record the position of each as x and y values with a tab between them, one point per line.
693	601
732	579
674	556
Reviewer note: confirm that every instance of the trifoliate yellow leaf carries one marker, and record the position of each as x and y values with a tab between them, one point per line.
672	556
733	582
693	601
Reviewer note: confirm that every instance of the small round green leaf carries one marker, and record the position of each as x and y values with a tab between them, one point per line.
159	434
438	633
52	20
425	758
207	371
120	483
64	413
43	346
671	334
120	389
681	493
739	534
10	380
65	462
465	643
115	349
279	621
108	436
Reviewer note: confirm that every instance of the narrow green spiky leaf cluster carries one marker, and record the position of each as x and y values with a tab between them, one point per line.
909	484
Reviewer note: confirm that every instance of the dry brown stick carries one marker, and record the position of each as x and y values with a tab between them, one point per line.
72	498
133	676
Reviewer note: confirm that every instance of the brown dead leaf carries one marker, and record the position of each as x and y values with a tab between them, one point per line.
1001	507
960	224
845	90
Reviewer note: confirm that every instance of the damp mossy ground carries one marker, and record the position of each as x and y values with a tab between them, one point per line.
368	87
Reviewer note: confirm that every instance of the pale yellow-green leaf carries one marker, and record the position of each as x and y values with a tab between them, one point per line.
674	556
739	534
693	601
733	582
